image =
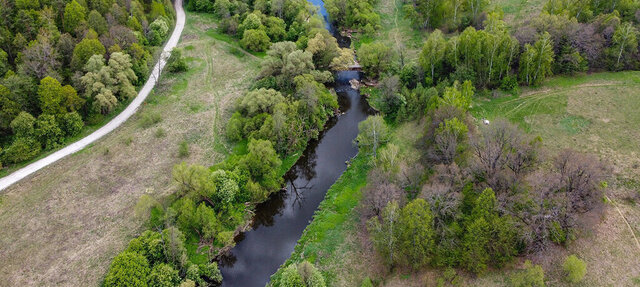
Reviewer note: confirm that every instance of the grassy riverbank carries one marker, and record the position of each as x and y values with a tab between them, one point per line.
63	225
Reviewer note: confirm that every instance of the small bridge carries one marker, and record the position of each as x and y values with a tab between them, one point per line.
355	66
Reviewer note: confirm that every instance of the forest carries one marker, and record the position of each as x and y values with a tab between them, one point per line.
67	64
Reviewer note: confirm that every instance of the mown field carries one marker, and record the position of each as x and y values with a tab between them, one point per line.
63	225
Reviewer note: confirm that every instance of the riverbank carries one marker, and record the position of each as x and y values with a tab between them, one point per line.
64	225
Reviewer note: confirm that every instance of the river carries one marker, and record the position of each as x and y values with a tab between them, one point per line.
280	221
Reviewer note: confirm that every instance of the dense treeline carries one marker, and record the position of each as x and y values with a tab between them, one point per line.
287	106
565	38
64	63
259	23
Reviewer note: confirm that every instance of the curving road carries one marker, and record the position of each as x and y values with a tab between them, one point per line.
114	123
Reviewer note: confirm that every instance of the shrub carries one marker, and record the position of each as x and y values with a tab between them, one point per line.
574	268
255	40
48	132
160	133
176	63
183	149
531	276
127	269
211	272
150	118
366	282
163	275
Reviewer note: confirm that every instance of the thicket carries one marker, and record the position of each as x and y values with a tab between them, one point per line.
567	37
287	106
64	63
479	196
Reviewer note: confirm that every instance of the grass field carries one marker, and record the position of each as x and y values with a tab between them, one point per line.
62	226
516	11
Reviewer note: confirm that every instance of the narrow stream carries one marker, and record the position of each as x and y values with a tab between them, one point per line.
279	222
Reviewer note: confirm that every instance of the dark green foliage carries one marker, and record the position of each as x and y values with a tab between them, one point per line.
84	50
415	234
149	245
375	58
354	14
255	40
71	124
128	269
21	149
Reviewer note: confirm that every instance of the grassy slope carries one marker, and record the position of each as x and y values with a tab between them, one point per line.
64	224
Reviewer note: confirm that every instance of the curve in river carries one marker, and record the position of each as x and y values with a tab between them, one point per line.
280	221
115	122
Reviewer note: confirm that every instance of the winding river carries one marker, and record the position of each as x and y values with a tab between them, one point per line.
280	221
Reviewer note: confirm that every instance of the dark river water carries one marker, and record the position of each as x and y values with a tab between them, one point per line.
279	222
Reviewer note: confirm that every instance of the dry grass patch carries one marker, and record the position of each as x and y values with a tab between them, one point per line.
62	226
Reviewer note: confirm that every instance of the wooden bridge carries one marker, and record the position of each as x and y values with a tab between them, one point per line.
355	67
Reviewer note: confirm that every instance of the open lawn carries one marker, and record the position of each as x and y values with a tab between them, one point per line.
516	11
62	226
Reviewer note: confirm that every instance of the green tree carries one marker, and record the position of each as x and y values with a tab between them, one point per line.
74	15
624	44
97	22
290	277
574	268
174	250
384	233
433	51
48	132
4	63
71	124
255	40
23	125
22	149
536	61
158	31
51	97
375	58
176	62
148	244
98	85
128	269
122	75
262	162
163	275
373	132
84	50
260	101
415	234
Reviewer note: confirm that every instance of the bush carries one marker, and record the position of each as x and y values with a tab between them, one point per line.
183	149
163	275
176	63
574	268
127	269
255	40
531	276
366	282
20	150
48	132
150	118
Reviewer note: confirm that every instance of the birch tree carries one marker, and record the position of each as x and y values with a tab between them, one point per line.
624	43
373	132
433	52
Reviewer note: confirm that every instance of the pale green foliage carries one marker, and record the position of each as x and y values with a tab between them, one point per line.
175	252
226	185
127	269
531	276
389	158
375	58
624	43
574	268
158	31
303	274
383	233
433	51
260	101
372	133
458	96
163	275
105	84
536	61
123	75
